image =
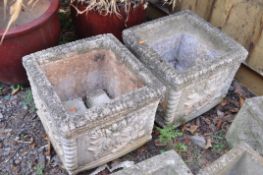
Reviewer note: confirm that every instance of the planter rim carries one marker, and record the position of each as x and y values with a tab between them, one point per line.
14	31
68	124
168	74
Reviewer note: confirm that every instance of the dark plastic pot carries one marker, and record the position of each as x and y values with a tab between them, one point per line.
39	34
93	23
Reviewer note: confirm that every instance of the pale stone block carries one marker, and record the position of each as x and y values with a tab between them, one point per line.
168	163
75	106
194	60
97	97
103	132
248	125
241	160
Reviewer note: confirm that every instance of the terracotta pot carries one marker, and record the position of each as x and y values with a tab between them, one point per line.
36	35
93	23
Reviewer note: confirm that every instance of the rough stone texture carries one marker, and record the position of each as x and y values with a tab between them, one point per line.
105	132
168	163
75	106
194	60
98	97
241	160
248	125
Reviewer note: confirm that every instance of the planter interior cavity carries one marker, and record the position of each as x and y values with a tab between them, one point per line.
195	61
185	50
27	15
96	101
98	71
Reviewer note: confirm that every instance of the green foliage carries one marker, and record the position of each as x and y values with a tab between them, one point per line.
1	88
168	134
15	88
28	100
66	25
66	21
39	170
181	147
219	142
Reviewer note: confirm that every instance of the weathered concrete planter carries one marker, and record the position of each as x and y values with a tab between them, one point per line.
241	160
168	163
195	61
85	137
248	125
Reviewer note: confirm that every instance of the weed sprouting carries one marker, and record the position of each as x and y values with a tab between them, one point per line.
168	134
181	147
39	170
219	142
28	101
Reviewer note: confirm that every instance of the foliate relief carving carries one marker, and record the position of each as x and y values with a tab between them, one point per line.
203	93
108	140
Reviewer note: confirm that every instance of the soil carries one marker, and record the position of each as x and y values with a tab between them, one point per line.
25	147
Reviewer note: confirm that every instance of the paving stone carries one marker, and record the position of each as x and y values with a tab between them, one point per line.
194	60
105	132
241	160
248	125
168	163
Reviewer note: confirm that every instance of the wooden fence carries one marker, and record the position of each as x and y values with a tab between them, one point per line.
241	19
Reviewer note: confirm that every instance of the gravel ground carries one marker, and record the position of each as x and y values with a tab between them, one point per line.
25	148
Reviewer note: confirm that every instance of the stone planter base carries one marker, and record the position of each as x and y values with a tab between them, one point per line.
241	160
168	163
195	61
96	101
248	125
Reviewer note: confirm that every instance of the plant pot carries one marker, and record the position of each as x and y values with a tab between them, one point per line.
194	60
87	135
94	23
40	33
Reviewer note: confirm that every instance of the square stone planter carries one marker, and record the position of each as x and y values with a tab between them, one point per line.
168	163
248	125
194	60
241	160
96	101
